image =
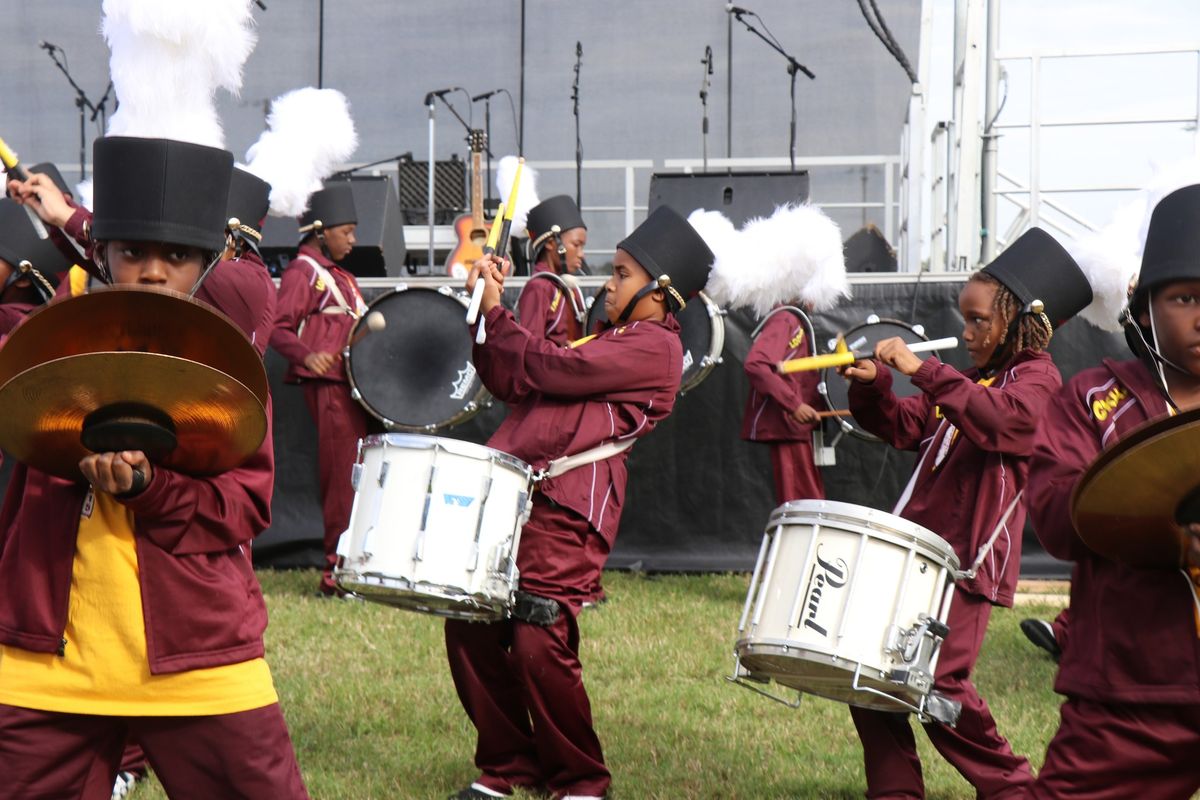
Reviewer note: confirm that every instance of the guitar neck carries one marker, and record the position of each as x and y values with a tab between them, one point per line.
477	189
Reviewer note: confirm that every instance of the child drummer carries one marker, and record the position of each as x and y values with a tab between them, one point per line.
1130	669
974	433
520	680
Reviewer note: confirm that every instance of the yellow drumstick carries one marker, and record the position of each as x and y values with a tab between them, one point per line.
494	233
849	357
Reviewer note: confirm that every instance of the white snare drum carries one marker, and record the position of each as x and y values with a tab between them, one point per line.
435	526
849	603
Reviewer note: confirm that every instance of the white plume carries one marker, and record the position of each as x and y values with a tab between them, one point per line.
309	135
719	233
793	255
527	196
1112	256
168	58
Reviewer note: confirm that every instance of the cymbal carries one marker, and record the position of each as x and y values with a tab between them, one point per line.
131	368
1128	504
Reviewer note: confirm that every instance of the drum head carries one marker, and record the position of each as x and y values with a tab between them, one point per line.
834	387
416	374
701	332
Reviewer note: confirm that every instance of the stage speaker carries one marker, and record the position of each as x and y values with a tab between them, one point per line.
738	195
379	250
868	251
449	190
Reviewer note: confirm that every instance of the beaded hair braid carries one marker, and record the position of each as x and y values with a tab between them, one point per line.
1032	333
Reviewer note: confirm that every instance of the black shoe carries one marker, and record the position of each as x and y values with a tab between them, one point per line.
471	793
1041	633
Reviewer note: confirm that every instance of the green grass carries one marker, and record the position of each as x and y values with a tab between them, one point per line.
373	714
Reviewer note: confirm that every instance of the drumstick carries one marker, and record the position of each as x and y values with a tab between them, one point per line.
841	359
839	412
374	322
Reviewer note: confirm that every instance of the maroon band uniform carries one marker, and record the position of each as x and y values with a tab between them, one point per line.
773	398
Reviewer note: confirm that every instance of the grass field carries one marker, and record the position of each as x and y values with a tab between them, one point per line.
373	714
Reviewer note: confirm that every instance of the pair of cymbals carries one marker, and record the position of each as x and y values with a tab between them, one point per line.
131	368
1132	503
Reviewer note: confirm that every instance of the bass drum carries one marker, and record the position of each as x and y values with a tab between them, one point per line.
416	374
835	389
701	332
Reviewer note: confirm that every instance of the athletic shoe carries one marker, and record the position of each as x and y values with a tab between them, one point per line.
124	785
1041	633
474	792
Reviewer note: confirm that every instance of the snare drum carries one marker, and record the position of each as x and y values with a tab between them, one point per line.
416	374
435	526
848	603
836	391
701	332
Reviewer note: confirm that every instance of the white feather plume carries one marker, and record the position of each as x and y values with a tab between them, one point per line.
719	233
793	255
1111	257
168	58
310	133
527	196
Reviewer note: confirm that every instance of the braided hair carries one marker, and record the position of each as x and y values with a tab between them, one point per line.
1032	332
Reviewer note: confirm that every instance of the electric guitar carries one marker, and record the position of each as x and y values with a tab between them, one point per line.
471	229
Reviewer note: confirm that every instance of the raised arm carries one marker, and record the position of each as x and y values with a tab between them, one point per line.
899	421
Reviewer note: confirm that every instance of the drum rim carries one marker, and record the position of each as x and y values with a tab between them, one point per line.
716	344
795	510
421	441
472	405
831	372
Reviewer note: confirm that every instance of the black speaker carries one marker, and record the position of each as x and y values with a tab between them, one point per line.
868	251
379	251
449	190
737	195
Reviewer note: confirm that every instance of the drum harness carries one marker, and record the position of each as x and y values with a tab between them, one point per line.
342	306
571	289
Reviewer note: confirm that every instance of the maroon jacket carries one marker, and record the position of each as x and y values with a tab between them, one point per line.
243	289
302	299
544	310
773	397
568	400
974	443
1133	631
11	314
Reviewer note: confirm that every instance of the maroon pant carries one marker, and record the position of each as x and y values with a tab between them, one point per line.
1116	751
522	684
1062	627
243	756
974	747
340	422
796	476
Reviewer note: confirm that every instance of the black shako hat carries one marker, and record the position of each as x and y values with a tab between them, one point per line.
1172	242
560	211
51	172
19	242
672	252
329	207
1036	268
160	190
249	200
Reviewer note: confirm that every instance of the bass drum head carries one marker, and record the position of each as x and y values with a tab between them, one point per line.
416	374
701	332
834	387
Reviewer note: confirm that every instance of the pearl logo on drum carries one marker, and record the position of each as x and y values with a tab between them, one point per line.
825	576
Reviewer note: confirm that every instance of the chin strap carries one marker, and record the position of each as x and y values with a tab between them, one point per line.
39	281
661	283
1147	352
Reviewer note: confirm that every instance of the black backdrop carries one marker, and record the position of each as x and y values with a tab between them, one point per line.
698	496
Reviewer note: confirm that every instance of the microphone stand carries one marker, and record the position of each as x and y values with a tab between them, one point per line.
81	102
704	84
346	173
487	138
429	103
794	66
578	140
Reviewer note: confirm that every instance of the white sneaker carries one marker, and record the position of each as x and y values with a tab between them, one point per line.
124	785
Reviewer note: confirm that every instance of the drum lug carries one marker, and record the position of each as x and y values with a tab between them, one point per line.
873	319
446	290
383	472
356	475
471	407
355	394
919	329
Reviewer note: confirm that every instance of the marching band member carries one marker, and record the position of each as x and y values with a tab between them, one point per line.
799	250
318	304
1130	724
130	607
548	307
974	432
520	680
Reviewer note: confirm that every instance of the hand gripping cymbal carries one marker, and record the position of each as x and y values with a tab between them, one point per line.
131	368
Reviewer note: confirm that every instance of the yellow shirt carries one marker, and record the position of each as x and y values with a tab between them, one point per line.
104	668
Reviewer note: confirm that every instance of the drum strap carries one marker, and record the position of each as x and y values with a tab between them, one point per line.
570	287
987	546
567	463
328	279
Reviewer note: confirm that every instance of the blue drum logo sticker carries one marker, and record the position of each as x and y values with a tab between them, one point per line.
457	500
